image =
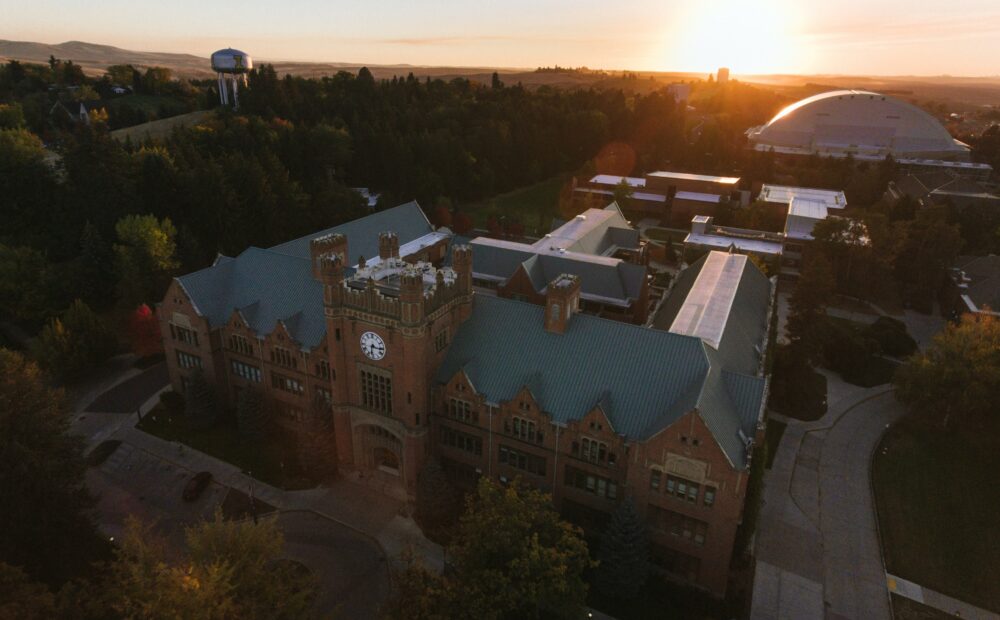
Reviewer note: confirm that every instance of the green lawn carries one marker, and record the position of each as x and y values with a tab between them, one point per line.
273	461
937	495
534	206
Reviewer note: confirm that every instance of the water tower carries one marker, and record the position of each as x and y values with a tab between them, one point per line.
232	66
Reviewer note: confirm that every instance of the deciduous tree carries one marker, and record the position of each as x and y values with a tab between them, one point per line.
75	343
957	380
144	258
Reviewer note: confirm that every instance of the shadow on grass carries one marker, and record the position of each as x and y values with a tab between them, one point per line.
273	460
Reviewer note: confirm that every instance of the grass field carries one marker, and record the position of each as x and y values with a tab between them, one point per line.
534	206
158	129
937	495
272	460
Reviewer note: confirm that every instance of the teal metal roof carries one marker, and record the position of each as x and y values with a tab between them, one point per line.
407	220
265	287
645	379
277	284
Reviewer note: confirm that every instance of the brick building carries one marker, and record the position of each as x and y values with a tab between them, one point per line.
415	363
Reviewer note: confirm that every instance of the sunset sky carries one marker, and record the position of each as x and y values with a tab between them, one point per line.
885	37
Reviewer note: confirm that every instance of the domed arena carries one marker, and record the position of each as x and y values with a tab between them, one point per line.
860	123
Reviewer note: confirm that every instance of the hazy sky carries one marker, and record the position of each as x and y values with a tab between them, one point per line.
918	37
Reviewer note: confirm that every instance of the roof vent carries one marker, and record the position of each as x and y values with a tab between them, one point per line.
581	217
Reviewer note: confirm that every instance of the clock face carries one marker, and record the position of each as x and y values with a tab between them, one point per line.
372	345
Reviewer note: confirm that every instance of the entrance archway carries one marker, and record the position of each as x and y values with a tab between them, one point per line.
379	456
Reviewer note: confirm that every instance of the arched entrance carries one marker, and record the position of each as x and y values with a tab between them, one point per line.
379	455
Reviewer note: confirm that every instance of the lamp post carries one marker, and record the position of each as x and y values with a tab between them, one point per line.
253	504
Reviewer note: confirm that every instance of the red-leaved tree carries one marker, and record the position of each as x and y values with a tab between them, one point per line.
144	332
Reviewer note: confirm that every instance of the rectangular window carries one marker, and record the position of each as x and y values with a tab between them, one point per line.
523	429
709	498
677	524
522	460
441	340
184	334
462	441
248	372
284	357
376	391
462	410
654	479
240	344
186	360
585	481
326	395
287	384
683	489
323	369
594	451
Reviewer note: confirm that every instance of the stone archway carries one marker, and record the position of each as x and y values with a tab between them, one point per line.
378	454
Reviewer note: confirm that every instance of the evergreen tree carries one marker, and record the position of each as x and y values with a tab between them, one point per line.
624	554
807	306
252	414
437	499
43	527
317	447
199	401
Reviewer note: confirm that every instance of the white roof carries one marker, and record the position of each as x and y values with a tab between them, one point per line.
611	179
695	177
647	196
784	194
412	247
707	306
758	246
807	207
860	122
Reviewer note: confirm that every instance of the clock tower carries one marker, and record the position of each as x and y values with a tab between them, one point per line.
389	324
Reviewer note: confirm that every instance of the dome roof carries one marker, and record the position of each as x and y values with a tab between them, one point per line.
231	60
858	122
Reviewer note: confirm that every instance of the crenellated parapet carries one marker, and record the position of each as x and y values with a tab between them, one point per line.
334	243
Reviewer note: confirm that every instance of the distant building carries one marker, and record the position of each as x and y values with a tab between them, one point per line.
371	198
722	77
680	92
672	197
940	187
862	124
974	286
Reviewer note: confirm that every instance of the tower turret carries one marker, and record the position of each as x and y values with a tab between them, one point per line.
319	247
388	245
461	261
562	299
411	295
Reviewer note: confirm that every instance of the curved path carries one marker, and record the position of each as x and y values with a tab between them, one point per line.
817	545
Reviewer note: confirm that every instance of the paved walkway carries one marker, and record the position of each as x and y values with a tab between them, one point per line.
817	545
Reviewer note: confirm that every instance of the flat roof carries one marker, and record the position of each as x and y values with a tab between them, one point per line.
611	179
708	304
694	177
808	207
784	194
646	196
721	242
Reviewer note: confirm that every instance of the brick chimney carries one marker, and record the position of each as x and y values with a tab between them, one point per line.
331	268
562	299
320	247
461	262
388	245
411	295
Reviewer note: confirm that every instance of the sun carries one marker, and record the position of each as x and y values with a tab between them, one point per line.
748	37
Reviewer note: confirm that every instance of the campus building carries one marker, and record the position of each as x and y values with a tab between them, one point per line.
672	197
414	363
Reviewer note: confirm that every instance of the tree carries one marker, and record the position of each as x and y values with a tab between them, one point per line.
144	332
75	343
419	594
251	413
514	557
144	258
807	309
623	194
624	554
437	499
317	446
928	250
43	527
199	401
958	377
22	598
495	82
229	569
462	223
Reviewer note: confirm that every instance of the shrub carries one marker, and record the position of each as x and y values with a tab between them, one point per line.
892	337
172	401
75	343
797	390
